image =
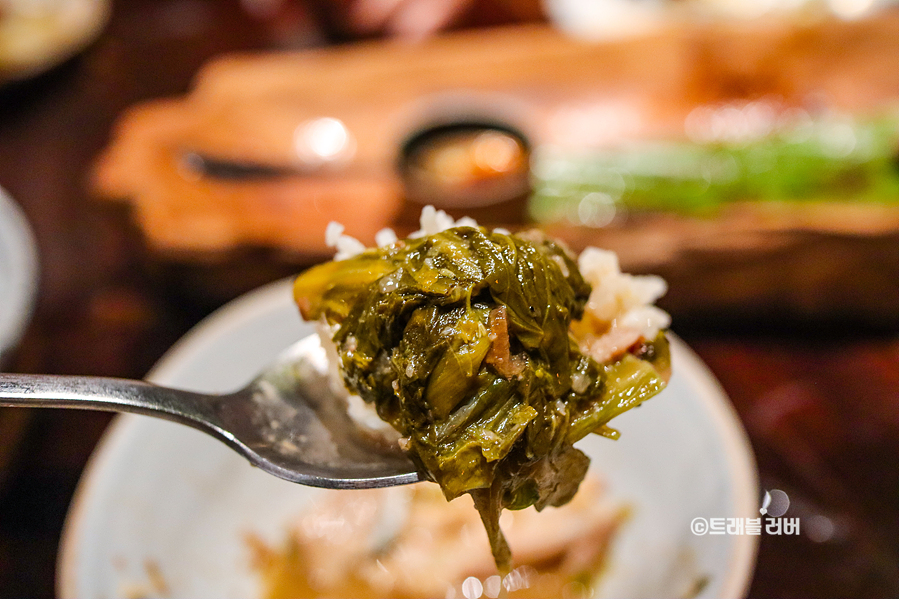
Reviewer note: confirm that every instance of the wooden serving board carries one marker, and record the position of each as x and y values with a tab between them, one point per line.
833	260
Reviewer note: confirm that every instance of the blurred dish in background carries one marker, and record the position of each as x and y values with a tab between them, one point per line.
479	170
615	19
737	152
36	35
18	273
414	20
265	144
266	149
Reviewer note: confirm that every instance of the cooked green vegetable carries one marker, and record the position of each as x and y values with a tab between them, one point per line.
806	162
462	342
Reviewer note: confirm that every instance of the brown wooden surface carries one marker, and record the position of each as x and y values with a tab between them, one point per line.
820	404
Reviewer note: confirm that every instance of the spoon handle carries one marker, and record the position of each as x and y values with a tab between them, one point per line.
106	394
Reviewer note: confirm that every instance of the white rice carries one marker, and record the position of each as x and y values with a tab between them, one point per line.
620	299
385	237
431	222
346	246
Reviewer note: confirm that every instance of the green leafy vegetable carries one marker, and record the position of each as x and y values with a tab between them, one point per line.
462	342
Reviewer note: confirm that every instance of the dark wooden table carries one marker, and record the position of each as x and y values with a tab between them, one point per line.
820	404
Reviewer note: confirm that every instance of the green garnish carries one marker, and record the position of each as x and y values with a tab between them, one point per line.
824	160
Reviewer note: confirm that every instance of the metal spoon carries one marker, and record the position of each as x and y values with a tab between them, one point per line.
288	421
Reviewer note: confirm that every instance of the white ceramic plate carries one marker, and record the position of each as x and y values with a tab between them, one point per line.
18	273
164	503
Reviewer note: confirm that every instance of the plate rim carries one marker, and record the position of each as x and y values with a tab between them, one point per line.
17	234
735	442
741	456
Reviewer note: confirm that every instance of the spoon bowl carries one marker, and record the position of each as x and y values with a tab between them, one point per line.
289	421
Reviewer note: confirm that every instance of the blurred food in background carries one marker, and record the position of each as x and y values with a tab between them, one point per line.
612	19
409	542
414	20
38	34
480	169
748	151
751	163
